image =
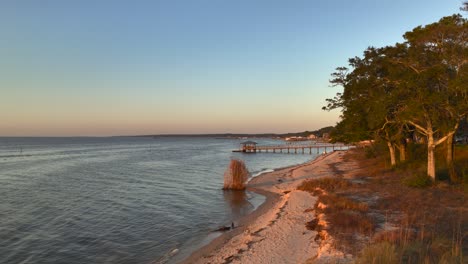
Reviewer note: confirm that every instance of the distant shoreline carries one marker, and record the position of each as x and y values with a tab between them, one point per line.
226	135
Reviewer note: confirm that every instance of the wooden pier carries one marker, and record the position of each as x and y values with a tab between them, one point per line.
252	147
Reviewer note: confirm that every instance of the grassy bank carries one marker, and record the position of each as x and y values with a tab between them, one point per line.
381	214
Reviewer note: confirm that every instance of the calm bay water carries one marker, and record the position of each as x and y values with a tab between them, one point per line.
119	200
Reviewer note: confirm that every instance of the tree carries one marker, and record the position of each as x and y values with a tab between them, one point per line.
436	82
465	6
369	106
421	84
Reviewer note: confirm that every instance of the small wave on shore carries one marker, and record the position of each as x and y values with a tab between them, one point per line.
167	256
263	171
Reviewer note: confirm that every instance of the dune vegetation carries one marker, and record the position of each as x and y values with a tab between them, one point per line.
384	214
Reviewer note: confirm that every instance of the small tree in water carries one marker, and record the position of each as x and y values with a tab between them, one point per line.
236	175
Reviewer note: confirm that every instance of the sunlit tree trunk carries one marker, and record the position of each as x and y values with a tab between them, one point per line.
391	149
430	155
432	143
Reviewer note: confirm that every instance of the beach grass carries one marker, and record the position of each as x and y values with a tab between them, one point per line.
385	214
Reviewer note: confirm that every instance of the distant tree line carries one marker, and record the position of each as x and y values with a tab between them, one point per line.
415	89
318	133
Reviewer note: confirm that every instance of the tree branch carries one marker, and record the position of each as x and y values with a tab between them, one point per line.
410	66
420	128
441	140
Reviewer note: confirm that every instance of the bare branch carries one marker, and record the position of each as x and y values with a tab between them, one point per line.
448	135
410	66
421	129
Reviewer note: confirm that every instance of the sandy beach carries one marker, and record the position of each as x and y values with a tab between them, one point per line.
276	231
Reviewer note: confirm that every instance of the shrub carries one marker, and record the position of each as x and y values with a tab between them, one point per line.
236	175
370	152
336	202
347	221
417	180
328	184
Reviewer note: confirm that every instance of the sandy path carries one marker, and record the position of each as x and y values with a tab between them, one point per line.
276	232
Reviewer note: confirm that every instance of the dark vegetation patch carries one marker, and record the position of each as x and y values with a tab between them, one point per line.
327	184
389	214
312	225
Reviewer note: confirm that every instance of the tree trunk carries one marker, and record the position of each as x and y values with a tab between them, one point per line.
402	149
449	159
431	144
449	156
391	149
430	156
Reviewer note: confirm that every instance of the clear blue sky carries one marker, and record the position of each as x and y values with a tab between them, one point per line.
140	67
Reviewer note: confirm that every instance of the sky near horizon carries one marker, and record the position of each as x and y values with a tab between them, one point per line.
103	68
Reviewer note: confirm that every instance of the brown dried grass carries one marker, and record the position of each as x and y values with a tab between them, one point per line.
328	184
335	202
236	175
422	225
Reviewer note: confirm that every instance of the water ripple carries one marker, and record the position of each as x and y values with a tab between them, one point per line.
116	200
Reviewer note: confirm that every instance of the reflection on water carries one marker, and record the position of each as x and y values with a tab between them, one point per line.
119	200
239	203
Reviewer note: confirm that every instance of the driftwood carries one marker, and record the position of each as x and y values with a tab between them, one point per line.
225	228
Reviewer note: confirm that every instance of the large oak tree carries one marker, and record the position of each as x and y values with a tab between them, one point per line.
421	84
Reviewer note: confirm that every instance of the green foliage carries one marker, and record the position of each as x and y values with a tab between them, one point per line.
350	130
417	152
318	133
323	130
434	250
419	85
417	180
464	181
370	152
465	175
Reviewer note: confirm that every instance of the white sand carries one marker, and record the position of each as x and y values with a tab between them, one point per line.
278	233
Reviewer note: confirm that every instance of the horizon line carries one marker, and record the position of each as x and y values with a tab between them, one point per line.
168	135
